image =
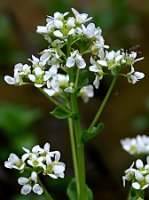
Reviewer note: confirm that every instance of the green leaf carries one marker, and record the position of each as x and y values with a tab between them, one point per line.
61	113
87	135
83	78
72	191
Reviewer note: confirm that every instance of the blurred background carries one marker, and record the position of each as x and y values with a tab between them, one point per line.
24	112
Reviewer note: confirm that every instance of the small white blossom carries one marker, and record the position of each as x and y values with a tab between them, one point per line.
136	146
14	162
75	59
29	184
134	77
86	92
80	18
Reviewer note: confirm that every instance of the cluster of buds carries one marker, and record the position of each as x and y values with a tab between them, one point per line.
71	41
38	160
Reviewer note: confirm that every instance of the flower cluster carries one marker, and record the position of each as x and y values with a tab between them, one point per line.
74	46
38	160
136	146
138	174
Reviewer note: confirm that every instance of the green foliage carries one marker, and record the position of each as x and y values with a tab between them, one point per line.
72	191
15	124
83	78
136	194
60	113
87	135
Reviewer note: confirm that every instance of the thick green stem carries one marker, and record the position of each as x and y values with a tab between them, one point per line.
103	104
48	196
80	149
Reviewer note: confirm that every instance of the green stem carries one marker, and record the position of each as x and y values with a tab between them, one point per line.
80	149
48	196
54	101
74	151
103	104
135	194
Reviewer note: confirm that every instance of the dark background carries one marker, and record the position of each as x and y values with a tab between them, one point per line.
24	112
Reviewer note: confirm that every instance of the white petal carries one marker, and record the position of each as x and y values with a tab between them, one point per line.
58	169
68	89
37	189
80	62
58	23
102	63
26	189
32	77
13	158
23	180
10	80
138	175
52	176
34	176
38	71
71	32
136	185
139	164
118	58
147	178
94	68
41	29
96	82
36	149
70	62
47	147
71	22
57	33
139	75
50	92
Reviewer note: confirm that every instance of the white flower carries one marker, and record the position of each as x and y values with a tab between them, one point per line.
20	71
131	57
129	174
14	162
86	92
38	62
134	77
35	161
80	18
136	146
29	184
90	31
77	59
97	67
54	169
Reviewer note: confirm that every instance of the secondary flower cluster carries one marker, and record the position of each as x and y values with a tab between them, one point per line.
138	174
74	45
38	160
136	146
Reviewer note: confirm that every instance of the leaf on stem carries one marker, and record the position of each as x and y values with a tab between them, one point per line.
87	135
72	191
60	113
83	78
